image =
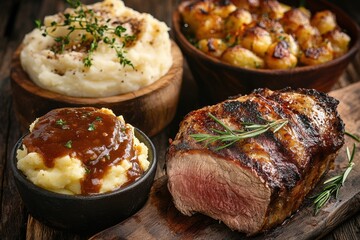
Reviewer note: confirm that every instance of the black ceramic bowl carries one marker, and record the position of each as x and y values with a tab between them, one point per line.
85	213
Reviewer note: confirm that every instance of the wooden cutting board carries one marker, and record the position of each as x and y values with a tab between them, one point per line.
159	219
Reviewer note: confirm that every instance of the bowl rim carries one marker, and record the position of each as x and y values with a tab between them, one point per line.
30	86
42	191
182	40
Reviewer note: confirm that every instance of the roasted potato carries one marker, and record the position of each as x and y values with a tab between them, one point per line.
317	55
237	20
257	40
307	36
339	42
195	13
325	21
272	26
279	56
292	44
223	8
212	46
212	26
265	33
293	19
273	9
242	57
251	5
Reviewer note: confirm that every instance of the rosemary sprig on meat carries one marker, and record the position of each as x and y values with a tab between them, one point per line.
93	30
333	185
228	137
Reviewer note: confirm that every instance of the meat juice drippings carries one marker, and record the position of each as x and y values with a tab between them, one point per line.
97	139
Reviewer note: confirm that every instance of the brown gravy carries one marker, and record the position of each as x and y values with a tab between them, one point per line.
98	139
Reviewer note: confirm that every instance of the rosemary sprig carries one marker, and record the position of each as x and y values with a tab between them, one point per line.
333	185
353	136
94	31
229	137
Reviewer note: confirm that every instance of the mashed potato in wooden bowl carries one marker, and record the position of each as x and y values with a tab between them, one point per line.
103	55
67	70
82	151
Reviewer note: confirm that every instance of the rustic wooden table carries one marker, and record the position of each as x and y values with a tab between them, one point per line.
16	19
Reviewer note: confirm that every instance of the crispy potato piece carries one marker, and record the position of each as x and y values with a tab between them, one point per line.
257	40
212	46
224	9
317	55
279	56
242	57
292	44
293	19
339	42
194	14
237	20
212	27
307	36
273	9
272	26
325	21
247	4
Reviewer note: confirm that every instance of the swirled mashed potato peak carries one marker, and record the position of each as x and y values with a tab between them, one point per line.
65	73
74	151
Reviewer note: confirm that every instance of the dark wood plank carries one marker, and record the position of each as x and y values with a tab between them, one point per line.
13	214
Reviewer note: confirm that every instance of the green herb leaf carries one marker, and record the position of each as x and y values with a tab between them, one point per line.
86	20
91	127
60	122
38	23
333	185
68	144
353	136
228	137
74	3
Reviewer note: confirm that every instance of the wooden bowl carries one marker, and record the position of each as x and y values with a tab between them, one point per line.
218	80
150	108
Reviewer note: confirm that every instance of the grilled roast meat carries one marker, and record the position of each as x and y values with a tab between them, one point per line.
255	183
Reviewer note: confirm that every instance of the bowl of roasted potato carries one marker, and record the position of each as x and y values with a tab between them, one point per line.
233	47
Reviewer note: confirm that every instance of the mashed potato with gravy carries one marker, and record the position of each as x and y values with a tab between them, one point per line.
67	174
65	72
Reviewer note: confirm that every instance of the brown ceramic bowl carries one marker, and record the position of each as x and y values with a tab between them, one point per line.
218	80
89	213
150	108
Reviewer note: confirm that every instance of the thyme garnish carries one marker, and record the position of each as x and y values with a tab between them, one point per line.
94	31
229	137
333	185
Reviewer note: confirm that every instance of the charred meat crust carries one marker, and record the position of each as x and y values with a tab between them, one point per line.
253	110
283	160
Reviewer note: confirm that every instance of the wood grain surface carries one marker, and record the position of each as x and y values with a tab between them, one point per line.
16	19
159	217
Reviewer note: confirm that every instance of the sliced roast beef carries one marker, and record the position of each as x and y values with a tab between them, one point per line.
255	183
